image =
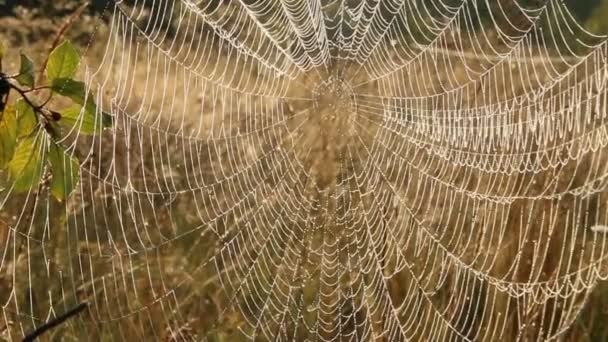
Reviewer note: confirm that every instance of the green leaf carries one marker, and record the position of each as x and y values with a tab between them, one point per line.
63	62
75	90
84	121
8	135
26	118
2	49
26	72
54	129
26	166
65	170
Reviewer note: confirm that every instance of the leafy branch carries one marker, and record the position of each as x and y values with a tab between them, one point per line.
31	129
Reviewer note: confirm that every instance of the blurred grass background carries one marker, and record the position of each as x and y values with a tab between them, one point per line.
28	24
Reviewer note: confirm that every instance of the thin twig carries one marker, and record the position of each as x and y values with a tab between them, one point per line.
36	89
55	322
60	33
23	94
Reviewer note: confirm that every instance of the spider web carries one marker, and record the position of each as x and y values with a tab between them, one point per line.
325	170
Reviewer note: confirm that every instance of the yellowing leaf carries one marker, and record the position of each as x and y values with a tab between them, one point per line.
65	170
26	166
8	135
63	62
26	72
26	118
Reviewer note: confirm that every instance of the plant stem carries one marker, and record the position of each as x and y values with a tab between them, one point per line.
55	322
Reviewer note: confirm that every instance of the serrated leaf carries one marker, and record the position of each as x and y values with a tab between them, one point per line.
8	135
83	121
26	72
26	118
27	164
75	90
65	171
63	62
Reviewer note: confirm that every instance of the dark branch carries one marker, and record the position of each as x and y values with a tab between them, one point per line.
55	322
